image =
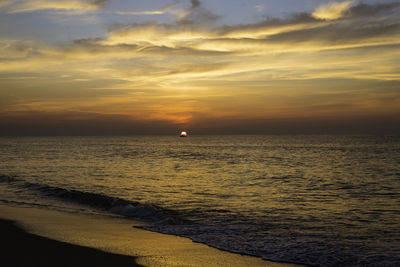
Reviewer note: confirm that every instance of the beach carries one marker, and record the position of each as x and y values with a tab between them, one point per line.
23	249
54	238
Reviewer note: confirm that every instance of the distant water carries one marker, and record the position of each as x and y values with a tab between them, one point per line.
319	200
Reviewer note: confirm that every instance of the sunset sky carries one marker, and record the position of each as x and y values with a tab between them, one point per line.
210	66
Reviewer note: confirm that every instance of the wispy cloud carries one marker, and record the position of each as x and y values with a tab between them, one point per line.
259	8
332	11
4	3
228	46
21	6
164	10
194	13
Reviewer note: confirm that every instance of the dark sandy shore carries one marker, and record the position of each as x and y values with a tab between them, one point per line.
19	248
84	238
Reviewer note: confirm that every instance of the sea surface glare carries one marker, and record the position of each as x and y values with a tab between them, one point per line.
322	200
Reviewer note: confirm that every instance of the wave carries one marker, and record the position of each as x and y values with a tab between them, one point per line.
275	236
151	213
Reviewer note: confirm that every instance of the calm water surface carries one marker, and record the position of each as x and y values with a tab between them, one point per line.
319	200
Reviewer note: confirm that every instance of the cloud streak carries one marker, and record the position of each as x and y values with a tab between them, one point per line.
195	13
167	9
23	6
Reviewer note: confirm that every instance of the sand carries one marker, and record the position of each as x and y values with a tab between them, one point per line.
89	238
23	249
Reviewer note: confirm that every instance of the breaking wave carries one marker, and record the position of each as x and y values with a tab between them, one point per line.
127	208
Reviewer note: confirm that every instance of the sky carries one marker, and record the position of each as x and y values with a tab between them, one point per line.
116	67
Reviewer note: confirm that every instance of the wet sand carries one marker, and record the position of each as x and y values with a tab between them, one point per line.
20	248
98	240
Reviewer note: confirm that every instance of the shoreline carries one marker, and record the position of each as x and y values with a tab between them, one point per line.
117	237
20	248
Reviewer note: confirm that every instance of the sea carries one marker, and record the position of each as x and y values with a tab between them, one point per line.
319	200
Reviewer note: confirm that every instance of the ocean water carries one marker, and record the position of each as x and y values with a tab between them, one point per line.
321	200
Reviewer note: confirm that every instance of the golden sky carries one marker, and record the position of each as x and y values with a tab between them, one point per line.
113	67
